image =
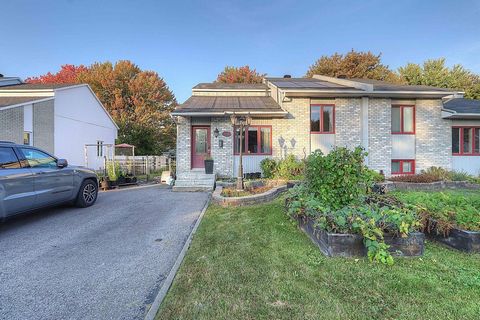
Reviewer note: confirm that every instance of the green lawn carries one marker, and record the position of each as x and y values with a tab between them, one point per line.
253	262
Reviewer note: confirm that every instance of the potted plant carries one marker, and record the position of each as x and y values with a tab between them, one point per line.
208	165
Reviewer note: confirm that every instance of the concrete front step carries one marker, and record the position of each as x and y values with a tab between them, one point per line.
195	180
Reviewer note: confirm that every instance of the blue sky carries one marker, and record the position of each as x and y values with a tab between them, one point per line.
188	42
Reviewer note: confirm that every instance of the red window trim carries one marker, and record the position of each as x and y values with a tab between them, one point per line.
258	140
321	119
461	151
401	161
401	119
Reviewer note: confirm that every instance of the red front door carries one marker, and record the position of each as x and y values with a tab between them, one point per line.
200	146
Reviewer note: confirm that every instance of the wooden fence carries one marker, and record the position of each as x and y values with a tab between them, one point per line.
140	165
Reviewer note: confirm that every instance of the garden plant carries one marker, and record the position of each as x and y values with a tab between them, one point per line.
337	196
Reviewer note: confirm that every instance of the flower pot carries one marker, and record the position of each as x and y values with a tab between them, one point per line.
208	166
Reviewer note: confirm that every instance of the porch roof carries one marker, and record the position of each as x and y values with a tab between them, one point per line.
222	105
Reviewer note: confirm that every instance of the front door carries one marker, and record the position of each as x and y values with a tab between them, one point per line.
200	146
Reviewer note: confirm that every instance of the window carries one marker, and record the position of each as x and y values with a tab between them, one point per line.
322	118
8	159
256	140
27	138
38	159
466	141
403	119
403	166
99	148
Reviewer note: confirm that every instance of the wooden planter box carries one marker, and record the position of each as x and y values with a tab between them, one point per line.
468	241
351	245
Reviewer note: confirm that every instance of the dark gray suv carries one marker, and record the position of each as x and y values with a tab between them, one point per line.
31	178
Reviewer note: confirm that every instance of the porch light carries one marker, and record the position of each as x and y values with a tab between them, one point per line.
215	132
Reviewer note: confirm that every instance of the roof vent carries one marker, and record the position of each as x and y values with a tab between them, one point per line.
287	76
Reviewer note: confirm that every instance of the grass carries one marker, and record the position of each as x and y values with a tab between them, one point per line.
253	263
462	207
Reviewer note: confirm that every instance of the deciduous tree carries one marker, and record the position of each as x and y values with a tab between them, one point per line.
435	73
240	75
353	65
139	101
68	74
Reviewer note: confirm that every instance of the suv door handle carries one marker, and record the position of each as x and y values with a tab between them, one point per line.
41	172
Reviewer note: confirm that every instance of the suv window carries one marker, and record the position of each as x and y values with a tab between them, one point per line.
8	159
38	159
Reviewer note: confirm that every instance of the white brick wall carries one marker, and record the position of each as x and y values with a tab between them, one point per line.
433	138
348	122
379	135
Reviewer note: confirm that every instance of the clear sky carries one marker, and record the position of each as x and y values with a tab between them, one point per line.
188	42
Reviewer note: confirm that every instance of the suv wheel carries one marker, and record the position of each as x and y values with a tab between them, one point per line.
87	194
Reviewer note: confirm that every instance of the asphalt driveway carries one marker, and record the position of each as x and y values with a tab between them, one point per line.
103	262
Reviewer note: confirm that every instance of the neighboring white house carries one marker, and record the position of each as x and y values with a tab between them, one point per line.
59	118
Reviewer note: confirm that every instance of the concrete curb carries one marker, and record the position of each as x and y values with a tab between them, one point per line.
133	188
152	312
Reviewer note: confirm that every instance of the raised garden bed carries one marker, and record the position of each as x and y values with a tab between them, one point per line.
352	245
450	217
464	240
255	192
431	186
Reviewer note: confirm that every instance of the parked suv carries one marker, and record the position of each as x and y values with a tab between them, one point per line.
31	178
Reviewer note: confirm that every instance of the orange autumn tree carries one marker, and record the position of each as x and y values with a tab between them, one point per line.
239	75
139	101
68	74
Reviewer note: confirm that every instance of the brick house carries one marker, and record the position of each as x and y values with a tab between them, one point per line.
404	128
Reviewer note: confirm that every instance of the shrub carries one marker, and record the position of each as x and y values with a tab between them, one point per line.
339	178
268	167
416	178
375	217
113	170
289	168
460	176
438	173
376	176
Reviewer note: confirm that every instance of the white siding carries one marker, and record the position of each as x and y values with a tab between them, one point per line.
469	164
323	142
80	120
251	164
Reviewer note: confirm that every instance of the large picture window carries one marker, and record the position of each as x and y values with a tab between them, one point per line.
322	118
403	119
466	141
256	140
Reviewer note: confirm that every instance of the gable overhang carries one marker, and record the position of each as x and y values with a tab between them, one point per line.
25	103
372	94
255	114
453	115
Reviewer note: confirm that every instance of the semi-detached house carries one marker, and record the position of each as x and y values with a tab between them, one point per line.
405	129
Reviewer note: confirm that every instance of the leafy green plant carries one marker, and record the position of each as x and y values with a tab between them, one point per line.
338	178
449	208
268	166
113	170
372	217
438	173
460	176
289	168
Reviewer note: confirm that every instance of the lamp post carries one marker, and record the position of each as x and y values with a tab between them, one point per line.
240	122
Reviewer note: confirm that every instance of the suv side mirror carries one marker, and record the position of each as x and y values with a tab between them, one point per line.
62	163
